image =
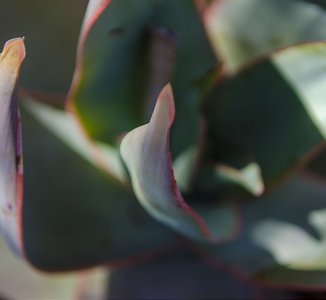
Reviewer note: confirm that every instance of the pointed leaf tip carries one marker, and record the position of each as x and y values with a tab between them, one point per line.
11	59
13	54
145	151
166	105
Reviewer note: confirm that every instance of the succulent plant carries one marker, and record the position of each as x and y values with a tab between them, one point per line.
186	160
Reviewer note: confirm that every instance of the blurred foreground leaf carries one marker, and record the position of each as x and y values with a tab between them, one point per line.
73	215
11	171
154	281
145	151
19	281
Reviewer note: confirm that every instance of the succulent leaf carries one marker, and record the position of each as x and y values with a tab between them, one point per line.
120	72
145	151
283	241
11	59
74	216
289	244
277	101
64	125
186	266
248	177
242	30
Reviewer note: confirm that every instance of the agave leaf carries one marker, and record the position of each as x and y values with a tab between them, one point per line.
122	69
272	112
19	281
11	59
242	30
145	151
73	215
278	226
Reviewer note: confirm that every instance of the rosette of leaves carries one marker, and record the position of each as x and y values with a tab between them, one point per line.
191	127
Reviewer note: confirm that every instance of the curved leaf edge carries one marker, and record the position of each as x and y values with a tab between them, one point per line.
178	201
139	258
96	155
214	262
254	279
261	58
224	75
88	22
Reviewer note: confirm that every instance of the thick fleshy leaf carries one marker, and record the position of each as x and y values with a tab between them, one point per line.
145	151
94	9
19	281
289	244
241	30
51	29
73	215
249	177
128	57
283	238
183	167
191	278
66	128
11	171
271	113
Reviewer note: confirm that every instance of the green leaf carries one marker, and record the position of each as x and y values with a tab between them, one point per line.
191	279
242	30
145	151
289	244
248	177
19	281
283	238
11	172
304	68
271	113
94	9
122	68
73	215
66	128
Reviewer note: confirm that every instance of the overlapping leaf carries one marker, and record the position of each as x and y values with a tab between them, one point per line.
192	279
120	72
66	128
77	217
11	59
145	151
271	113
283	240
242	30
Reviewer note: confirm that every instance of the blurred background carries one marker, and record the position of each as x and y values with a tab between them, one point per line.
51	29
